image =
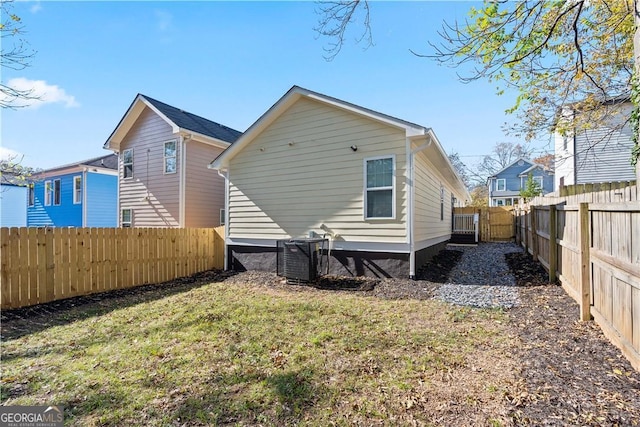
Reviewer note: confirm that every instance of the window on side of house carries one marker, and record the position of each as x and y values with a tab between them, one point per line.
379	192
48	192
499	202
170	151
539	180
441	202
126	217
31	195
501	184
127	163
56	192
223	217
77	190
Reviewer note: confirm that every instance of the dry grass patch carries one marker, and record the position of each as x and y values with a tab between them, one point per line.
248	355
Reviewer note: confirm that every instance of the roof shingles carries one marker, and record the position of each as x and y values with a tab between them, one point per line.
192	122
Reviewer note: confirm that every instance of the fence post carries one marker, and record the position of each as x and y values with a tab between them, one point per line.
534	234
50	294
585	263
526	217
553	248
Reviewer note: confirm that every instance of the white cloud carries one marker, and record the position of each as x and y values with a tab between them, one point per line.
164	20
9	154
40	93
37	7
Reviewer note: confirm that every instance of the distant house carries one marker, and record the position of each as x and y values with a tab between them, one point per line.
596	155
13	204
505	186
381	188
82	194
163	176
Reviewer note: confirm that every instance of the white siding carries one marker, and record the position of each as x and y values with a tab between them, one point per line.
152	194
301	173
204	187
428	225
564	160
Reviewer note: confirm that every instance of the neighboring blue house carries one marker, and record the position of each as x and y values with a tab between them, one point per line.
83	194
505	186
13	205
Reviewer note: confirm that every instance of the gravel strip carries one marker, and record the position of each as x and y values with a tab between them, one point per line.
482	277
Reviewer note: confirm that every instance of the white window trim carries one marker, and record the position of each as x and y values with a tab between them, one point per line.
540	180
124	164
504	184
392	188
77	178
48	192
164	157
59	192
122	223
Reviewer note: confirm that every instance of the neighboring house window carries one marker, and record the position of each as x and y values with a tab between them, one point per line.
170	157
32	196
499	202
48	190
223	217
379	194
501	184
539	180
56	192
126	217
77	190
127	163
561	181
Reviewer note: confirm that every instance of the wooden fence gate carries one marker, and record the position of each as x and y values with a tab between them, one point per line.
496	224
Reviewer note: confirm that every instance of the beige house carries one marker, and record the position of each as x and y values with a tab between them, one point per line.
163	176
380	188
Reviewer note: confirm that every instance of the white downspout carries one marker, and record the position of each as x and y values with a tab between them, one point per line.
411	196
182	180
225	175
84	196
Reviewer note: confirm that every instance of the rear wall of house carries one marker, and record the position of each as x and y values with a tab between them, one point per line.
150	193
204	187
301	173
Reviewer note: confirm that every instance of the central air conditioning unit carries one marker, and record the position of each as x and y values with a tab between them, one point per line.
302	260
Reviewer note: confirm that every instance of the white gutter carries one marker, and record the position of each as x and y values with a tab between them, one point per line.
411	196
225	175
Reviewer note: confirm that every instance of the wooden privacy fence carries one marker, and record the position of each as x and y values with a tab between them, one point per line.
594	250
496	223
46	264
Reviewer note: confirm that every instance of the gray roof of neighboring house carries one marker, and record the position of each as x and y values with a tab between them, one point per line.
192	122
110	161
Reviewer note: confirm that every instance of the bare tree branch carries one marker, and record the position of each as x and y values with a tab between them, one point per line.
335	19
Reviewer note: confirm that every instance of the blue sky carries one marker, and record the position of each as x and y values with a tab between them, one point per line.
229	62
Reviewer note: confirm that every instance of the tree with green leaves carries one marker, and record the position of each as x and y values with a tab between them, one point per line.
531	188
559	56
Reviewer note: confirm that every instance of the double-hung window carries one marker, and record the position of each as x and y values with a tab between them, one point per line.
501	184
127	163
56	192
379	189
170	157
77	190
126	218
539	181
48	193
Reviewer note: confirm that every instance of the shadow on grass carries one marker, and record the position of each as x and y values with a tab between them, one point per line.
28	320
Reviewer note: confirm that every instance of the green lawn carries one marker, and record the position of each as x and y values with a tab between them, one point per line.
223	354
